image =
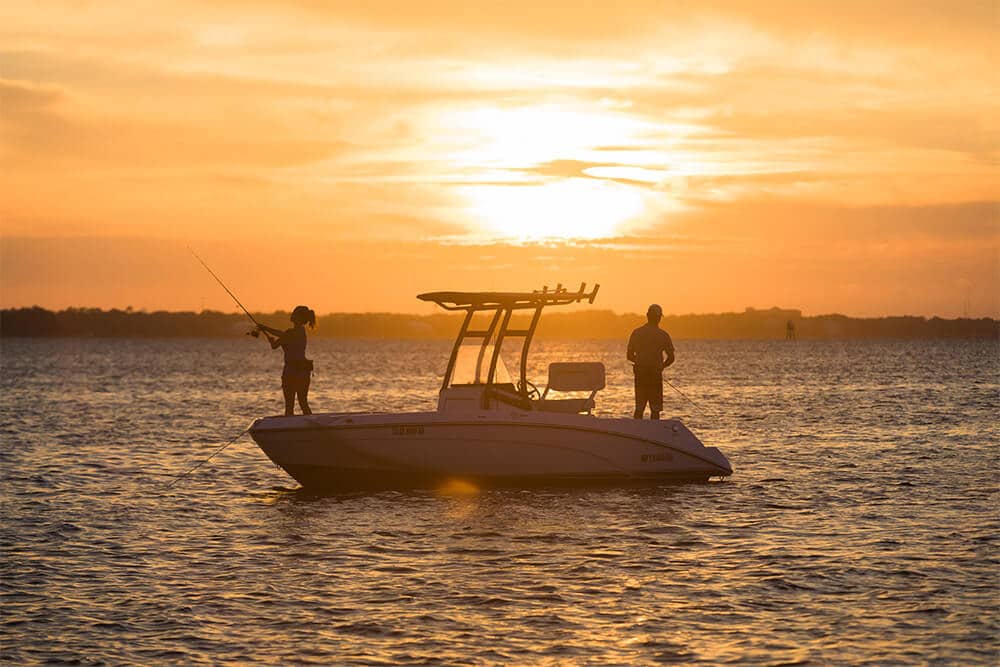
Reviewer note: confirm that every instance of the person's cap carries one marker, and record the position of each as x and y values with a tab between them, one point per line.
654	310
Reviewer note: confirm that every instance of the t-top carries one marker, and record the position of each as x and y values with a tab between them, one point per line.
647	344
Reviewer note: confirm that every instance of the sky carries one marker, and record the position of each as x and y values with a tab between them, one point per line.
708	156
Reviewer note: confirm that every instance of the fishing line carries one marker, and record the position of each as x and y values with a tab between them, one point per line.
700	409
218	451
740	430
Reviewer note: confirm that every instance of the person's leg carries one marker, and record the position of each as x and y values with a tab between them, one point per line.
655	395
288	389
304	395
640	395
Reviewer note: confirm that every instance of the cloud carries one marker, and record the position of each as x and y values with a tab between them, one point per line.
565	23
775	223
21	97
716	262
43	123
972	131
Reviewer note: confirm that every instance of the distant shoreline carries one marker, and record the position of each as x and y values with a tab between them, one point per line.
751	324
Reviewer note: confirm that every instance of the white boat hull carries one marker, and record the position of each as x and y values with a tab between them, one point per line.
372	450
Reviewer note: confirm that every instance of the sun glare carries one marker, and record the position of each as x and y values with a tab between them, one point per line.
527	136
575	208
536	192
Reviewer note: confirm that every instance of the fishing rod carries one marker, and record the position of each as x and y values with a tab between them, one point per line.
219	280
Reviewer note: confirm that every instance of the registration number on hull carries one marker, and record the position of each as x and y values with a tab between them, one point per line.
407	429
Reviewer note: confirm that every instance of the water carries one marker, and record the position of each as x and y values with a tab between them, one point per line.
860	526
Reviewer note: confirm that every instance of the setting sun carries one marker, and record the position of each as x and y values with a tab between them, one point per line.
576	208
519	137
547	180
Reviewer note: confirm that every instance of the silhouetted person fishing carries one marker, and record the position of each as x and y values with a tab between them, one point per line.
646	349
297	372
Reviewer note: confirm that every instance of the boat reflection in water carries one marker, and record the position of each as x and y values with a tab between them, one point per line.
488	429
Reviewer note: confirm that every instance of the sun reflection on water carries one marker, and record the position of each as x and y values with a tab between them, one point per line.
457	487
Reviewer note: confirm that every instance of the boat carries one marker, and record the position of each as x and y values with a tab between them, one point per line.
491	428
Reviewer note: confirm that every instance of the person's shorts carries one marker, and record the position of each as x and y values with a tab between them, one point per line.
295	381
298	366
648	388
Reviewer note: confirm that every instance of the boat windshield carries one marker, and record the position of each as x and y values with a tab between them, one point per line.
472	365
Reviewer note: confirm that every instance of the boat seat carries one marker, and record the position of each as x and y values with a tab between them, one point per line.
572	376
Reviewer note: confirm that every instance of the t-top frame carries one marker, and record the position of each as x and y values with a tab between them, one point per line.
503	305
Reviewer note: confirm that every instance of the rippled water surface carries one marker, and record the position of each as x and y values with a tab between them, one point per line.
860	526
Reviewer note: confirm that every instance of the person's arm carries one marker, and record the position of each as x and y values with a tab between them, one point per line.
630	352
276	341
668	348
269	330
272	335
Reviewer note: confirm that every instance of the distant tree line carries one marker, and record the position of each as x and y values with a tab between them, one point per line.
750	324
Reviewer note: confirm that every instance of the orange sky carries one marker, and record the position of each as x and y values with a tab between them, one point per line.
833	157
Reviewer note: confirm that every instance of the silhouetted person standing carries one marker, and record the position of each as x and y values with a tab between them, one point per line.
647	347
297	372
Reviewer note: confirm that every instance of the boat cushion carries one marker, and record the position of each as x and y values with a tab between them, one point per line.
576	376
570	405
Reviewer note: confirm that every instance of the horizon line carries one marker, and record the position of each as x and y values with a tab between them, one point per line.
747	310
